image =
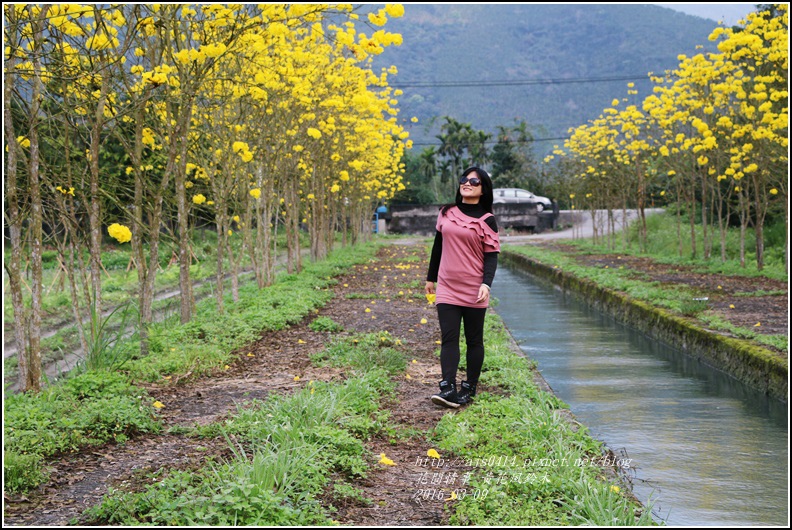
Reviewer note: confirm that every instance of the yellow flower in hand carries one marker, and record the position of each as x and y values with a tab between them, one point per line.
431	297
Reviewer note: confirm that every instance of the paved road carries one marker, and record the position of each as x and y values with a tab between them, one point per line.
583	226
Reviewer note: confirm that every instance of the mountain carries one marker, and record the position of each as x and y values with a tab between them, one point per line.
554	66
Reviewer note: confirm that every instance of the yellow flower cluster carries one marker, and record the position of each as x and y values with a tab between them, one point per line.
119	232
725	113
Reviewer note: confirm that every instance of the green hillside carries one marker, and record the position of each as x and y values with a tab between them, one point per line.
559	54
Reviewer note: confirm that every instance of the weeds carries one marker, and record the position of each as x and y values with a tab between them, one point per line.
532	465
101	405
693	307
104	341
325	324
285	451
89	409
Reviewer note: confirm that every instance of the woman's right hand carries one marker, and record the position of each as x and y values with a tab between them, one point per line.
429	288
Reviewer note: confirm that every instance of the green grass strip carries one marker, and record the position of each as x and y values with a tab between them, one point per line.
533	464
61	418
286	452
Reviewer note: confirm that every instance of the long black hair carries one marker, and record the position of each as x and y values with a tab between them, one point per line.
485	201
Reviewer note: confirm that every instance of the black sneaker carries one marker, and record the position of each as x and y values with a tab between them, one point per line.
447	397
466	393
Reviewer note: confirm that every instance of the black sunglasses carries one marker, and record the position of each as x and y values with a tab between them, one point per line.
473	181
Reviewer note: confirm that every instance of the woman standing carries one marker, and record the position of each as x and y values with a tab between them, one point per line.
463	263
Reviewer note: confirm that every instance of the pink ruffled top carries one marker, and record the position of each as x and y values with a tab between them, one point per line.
465	240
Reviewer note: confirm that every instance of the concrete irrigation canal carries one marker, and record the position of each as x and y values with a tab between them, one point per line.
704	447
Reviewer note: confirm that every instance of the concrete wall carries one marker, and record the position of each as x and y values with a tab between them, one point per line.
420	220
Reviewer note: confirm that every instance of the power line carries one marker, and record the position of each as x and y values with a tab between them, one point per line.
496	141
518	82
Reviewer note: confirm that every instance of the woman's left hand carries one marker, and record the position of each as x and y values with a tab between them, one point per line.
483	294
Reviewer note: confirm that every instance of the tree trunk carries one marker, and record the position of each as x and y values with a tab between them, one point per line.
14	221
33	376
692	216
761	212
66	260
743	227
70	247
680	250
94	212
145	298
705	237
177	162
220	247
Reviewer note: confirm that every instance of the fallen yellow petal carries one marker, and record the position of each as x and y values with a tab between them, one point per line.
438	342
407	376
158	405
250	355
296	377
385	460
424	321
433	453
300	341
731	306
452	497
757	324
414	361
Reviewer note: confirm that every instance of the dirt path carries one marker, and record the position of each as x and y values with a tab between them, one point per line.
269	366
60	366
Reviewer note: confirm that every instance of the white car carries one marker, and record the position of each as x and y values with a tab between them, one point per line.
519	196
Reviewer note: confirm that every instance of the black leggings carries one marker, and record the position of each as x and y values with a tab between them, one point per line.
451	317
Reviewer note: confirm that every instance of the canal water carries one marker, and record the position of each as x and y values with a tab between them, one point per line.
705	448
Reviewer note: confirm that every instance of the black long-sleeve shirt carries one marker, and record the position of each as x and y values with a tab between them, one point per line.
490	258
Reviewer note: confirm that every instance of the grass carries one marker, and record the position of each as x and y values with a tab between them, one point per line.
120	284
663	246
676	298
681	299
295	456
89	409
286	453
37	426
536	462
779	342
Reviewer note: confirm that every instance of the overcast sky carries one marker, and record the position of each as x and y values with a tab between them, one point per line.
728	13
